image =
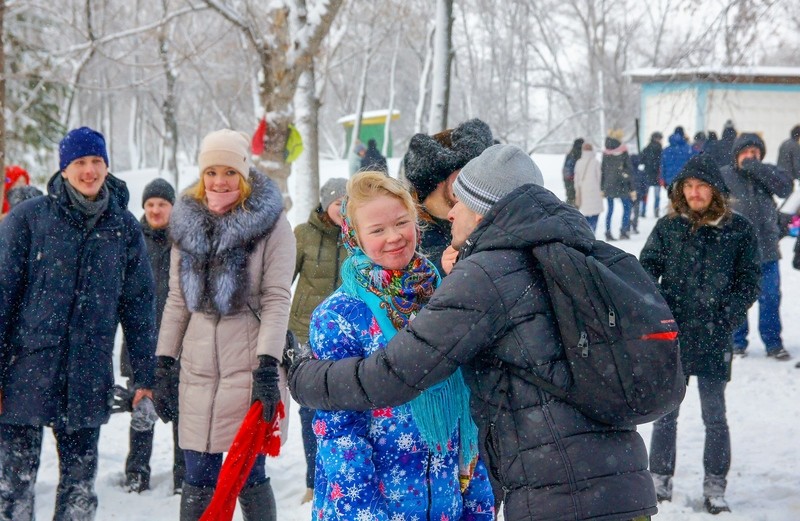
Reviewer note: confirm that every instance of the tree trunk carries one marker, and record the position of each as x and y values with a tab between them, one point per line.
169	106
442	55
361	97
387	128
2	103
306	110
424	78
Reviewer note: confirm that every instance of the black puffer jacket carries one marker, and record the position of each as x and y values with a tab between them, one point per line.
709	278
617	170
491	311
752	187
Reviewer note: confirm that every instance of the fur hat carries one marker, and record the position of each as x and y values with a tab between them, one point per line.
226	148
332	190
431	159
498	171
158	188
81	142
704	168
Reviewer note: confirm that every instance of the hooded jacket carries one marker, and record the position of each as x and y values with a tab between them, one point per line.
651	159
64	291
617	170
709	277
493	310
674	157
320	255
229	291
752	188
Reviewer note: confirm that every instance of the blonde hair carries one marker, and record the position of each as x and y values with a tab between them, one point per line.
198	190
366	186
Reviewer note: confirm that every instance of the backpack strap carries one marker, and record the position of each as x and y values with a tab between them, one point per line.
530	378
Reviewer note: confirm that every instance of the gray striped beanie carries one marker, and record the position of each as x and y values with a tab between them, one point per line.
494	174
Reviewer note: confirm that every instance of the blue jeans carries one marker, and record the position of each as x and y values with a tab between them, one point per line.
717	449
592	219
309	443
202	469
626	213
20	447
769	304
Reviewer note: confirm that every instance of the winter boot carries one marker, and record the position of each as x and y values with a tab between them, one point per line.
609	237
663	484
258	503
194	501
624	235
716	504
137	482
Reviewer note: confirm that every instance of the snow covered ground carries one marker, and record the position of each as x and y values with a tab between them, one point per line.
763	412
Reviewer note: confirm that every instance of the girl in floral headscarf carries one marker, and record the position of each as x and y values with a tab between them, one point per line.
417	459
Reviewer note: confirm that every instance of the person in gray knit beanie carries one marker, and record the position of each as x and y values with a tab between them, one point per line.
498	171
333	189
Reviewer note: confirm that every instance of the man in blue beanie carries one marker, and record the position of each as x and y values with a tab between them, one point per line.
74	265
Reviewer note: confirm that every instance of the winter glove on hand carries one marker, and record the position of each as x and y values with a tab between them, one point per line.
121	400
288	350
165	392
265	386
144	415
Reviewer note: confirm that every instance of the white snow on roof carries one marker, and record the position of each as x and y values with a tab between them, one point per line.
742	71
350	118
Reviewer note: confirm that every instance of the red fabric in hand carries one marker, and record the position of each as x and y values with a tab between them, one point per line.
255	437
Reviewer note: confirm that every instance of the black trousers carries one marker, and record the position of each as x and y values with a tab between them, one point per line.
20	449
141	448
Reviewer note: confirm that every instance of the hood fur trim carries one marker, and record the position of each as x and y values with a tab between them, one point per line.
215	248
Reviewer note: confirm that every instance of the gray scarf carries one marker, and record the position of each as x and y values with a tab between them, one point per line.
92	210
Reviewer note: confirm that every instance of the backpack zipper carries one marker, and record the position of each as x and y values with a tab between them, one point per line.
583	344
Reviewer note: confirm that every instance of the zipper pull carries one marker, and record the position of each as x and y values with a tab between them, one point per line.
612	318
583	344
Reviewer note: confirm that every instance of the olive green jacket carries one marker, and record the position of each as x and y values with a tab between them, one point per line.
319	256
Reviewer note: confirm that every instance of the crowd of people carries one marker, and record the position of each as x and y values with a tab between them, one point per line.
428	420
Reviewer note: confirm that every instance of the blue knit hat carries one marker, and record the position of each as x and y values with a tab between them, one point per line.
81	142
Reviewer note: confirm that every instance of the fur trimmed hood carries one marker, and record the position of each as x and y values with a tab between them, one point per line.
215	248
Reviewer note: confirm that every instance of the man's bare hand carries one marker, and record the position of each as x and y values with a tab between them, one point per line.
449	259
141	393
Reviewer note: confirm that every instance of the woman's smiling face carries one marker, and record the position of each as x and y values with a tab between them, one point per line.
386	232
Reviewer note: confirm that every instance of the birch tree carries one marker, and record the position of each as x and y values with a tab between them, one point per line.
442	55
284	55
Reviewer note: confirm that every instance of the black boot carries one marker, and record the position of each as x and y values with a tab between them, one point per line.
194	501
258	503
610	237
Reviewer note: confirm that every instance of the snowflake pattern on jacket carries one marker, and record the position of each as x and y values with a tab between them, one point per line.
374	466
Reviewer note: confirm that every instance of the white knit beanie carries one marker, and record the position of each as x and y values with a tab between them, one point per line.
494	174
225	148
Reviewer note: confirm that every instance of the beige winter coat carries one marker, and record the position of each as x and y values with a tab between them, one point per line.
588	197
218	351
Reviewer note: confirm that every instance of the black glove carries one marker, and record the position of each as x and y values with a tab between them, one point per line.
121	399
165	392
265	386
289	350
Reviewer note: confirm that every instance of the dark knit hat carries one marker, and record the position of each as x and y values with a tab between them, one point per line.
704	168
747	139
332	190
431	159
494	174
158	188
81	142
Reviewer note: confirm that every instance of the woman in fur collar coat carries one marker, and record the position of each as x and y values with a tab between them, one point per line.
225	318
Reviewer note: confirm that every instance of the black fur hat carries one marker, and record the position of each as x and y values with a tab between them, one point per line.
431	159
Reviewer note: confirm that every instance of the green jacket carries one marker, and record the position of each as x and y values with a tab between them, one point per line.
320	254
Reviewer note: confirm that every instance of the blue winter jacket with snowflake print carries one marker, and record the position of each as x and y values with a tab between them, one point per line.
373	465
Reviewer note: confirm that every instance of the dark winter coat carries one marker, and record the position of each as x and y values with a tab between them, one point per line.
158	248
436	237
752	188
722	150
493	310
320	254
373	159
617	170
651	159
789	158
64	291
674	157
709	278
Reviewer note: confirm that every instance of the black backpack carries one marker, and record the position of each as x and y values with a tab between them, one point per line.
620	338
